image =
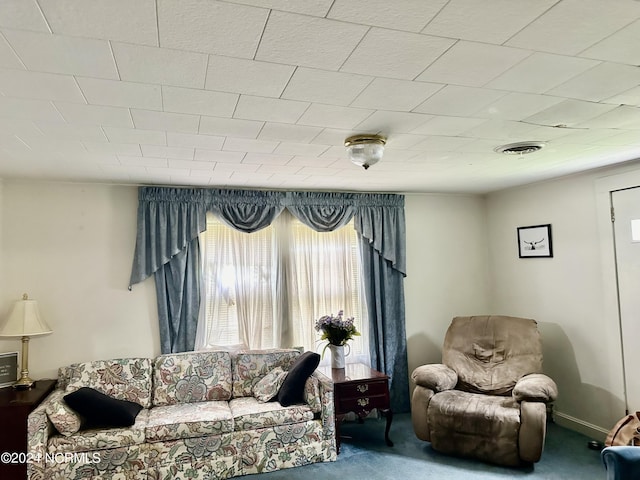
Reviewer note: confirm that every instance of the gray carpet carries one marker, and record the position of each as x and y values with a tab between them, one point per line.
365	456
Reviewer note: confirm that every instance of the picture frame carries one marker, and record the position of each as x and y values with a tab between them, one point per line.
535	241
8	369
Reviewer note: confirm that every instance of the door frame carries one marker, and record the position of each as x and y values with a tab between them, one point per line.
604	186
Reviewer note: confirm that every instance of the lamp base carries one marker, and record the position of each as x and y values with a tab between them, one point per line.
25	382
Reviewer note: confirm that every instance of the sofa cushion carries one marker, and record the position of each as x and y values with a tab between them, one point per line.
292	389
267	388
124	379
66	421
98	410
100	439
186	420
312	394
250	366
248	414
192	377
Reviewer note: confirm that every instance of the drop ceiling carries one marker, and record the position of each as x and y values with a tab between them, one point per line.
262	93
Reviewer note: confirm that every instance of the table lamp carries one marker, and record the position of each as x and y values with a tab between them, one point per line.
24	321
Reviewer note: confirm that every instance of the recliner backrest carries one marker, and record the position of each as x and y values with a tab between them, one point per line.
491	353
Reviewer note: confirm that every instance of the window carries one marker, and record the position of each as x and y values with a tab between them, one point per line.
267	288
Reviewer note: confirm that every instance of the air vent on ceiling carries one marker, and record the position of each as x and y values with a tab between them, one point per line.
519	148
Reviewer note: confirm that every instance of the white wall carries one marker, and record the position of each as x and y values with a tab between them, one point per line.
70	247
566	294
447	271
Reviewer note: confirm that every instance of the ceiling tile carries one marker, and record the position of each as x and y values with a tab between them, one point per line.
505	130
162	151
8	58
249	145
81	133
569	113
306	161
288	148
630	97
289	133
216	156
47	86
574	25
459	101
449	126
27	109
333	117
308	41
12	126
541	72
318	8
137	63
198	102
238	75
621	47
437	143
121	20
408	15
489	22
398	95
191	140
618	117
323	86
57	54
394	54
389	123
404	140
279	169
95	114
191	165
230	127
269	109
472	64
121	94
600	82
210	26
22	15
517	106
236	167
266	158
177	122
135	135
113	148
333	136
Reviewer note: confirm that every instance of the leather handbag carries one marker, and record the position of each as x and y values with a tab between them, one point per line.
626	432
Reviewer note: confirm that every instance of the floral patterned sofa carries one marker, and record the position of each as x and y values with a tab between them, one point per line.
200	420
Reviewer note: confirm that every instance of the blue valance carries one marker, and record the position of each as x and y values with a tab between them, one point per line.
169	218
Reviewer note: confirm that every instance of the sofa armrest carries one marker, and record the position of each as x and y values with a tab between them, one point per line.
39	429
435	376
536	387
327	413
621	462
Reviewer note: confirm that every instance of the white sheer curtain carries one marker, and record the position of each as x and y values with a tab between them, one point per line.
266	289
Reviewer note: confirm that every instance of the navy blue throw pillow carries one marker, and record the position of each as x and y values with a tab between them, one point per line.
102	411
292	389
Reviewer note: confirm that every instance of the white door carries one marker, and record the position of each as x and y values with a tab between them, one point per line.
626	211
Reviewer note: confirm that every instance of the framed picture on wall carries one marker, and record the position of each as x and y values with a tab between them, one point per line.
535	241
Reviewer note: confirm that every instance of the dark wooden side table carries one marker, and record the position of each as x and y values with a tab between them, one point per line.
359	388
15	407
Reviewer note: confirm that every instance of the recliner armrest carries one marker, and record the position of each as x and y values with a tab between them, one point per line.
436	376
535	387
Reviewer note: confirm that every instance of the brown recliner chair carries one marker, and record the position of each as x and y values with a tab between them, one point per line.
488	398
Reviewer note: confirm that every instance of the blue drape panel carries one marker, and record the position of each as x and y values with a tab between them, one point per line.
380	221
170	220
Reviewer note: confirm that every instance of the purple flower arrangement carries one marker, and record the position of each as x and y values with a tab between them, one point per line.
336	330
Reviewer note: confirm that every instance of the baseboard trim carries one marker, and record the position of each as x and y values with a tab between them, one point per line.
580	426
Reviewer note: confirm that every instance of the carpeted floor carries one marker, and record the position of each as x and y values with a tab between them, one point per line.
364	456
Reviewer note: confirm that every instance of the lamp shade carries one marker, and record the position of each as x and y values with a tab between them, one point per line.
24	320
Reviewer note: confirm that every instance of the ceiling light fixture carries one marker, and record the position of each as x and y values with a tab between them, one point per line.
519	148
365	150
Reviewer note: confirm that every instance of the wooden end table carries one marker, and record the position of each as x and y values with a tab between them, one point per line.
15	407
359	388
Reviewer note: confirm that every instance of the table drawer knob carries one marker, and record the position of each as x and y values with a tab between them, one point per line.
363	402
363	388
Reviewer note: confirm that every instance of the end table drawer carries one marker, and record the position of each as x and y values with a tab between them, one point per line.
363	403
363	389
